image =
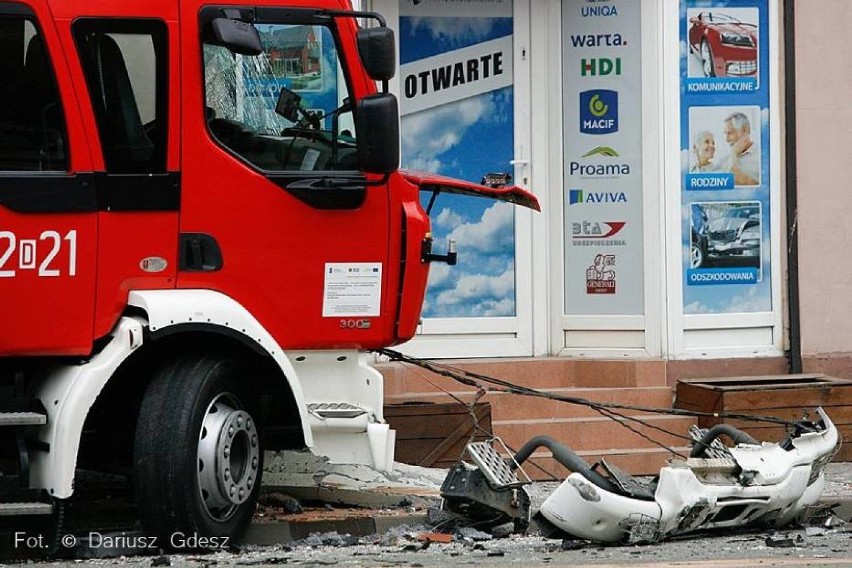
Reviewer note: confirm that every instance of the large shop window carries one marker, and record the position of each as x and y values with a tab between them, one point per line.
457	101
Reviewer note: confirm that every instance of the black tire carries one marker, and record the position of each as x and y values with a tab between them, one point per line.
173	435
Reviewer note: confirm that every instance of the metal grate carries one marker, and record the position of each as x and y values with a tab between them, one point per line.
22	419
494	466
712	465
336	410
716	449
639	528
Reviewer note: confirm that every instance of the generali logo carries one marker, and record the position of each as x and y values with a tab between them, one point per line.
600	276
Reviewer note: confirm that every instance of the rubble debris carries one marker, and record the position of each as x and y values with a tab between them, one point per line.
445	520
277	500
161	561
473	534
503	531
774	541
574	544
442	538
330	539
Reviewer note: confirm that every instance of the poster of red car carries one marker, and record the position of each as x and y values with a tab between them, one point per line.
722	42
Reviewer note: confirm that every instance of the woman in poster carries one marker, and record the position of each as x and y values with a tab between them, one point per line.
703	150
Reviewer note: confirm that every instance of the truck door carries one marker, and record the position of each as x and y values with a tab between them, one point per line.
271	178
131	73
48	226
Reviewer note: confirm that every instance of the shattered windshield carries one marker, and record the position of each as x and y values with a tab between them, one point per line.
287	108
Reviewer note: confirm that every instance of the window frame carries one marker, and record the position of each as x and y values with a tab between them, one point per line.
22	13
157	30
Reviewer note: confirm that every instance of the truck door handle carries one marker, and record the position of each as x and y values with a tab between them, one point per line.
328	193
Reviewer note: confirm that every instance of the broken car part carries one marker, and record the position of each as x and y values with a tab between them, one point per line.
488	495
760	483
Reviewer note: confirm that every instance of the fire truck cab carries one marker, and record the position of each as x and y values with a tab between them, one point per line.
202	230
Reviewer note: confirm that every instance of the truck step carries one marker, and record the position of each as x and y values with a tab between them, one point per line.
25	508
335	410
22	419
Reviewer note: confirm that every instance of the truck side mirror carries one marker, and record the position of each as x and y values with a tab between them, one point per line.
237	36
377	49
377	128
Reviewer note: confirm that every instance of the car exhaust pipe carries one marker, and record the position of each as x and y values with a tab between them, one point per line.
735	434
566	457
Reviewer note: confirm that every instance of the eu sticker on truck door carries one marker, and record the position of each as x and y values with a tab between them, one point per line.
352	289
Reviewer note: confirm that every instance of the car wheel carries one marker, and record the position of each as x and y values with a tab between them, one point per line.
198	458
707	59
696	256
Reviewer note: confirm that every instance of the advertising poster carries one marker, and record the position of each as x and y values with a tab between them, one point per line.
602	133
725	156
457	106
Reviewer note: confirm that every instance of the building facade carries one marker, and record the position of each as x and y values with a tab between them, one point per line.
684	153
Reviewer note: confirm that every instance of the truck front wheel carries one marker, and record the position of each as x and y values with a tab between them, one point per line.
197	457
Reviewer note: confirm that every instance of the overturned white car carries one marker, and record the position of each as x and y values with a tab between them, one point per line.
717	486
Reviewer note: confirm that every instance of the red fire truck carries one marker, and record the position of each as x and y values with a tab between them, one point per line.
203	229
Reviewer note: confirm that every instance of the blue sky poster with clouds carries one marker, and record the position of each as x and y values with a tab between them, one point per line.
457	108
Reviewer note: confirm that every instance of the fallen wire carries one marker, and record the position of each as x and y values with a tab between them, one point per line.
607	409
476	426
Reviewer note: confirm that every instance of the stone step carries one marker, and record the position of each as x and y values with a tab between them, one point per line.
517	407
599	435
645	461
541	373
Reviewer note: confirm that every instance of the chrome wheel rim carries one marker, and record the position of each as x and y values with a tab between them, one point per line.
695	257
228	457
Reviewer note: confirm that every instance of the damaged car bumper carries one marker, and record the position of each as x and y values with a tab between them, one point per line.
750	483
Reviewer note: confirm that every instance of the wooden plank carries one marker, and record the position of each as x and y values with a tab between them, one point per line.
697	397
759	381
463	430
423	409
838	414
789	398
434	426
432	434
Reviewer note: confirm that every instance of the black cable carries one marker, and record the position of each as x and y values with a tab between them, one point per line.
470	378
621	419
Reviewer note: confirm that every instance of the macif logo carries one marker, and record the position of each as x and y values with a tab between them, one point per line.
599	111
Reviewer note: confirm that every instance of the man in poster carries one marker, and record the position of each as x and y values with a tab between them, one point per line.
742	161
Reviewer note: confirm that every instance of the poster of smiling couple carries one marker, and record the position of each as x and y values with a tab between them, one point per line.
457	106
725	197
